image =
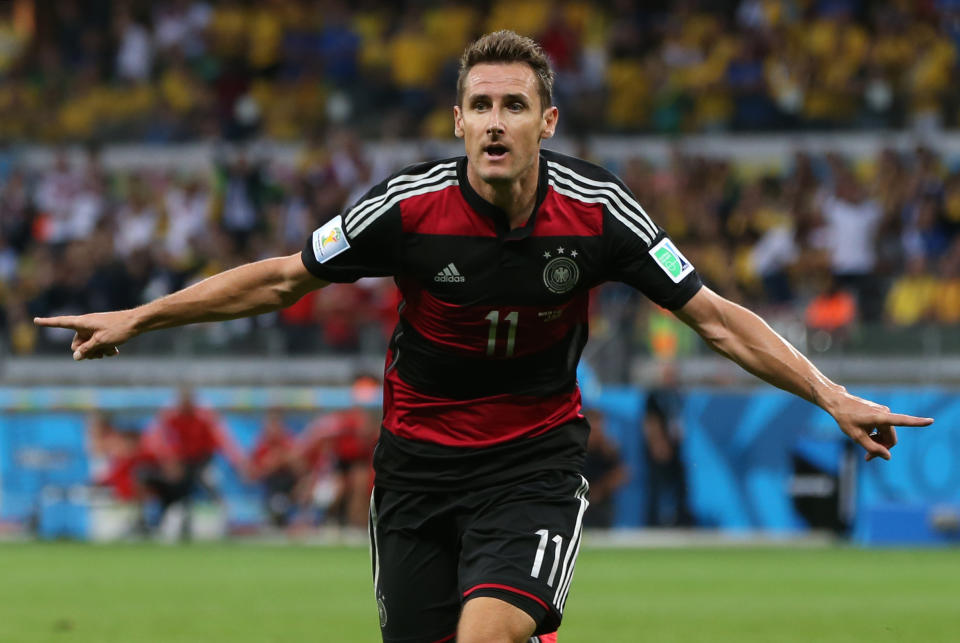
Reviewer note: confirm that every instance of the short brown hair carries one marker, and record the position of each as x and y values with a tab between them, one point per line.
506	46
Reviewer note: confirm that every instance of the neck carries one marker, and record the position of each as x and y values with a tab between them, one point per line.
516	196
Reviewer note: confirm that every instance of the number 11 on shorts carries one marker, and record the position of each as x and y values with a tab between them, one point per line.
541	549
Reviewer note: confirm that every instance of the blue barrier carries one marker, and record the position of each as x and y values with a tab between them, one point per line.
738	452
739	446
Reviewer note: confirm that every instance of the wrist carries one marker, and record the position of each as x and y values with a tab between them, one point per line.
138	319
829	397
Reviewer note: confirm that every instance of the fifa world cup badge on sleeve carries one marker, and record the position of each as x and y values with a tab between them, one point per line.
329	240
670	260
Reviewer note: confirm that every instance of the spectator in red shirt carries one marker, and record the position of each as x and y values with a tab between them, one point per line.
275	464
351	434
184	439
116	454
128	459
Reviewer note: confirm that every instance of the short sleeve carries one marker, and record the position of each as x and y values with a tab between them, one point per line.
365	242
641	255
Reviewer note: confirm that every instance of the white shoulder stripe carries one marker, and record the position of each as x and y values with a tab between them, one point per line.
400	182
605	201
637	210
609	201
441	167
361	225
396	184
625	195
359	215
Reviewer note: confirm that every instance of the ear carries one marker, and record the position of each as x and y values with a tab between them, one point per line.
457	121
549	123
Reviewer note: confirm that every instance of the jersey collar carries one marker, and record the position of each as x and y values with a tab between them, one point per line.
484	207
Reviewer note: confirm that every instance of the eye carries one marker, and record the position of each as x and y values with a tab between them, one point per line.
515	106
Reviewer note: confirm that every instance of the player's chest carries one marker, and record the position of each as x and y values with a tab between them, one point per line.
533	270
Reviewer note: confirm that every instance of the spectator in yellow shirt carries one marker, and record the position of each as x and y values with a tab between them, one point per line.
912	296
413	63
946	301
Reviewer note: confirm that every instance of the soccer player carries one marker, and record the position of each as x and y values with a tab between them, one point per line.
476	515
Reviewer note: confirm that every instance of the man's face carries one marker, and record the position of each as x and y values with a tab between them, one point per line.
185	400
273	425
501	120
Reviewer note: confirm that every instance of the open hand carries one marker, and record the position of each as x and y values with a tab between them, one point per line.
871	425
97	335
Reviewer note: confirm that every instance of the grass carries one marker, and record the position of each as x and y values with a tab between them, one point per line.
75	593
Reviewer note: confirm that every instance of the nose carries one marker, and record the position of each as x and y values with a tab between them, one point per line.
494	126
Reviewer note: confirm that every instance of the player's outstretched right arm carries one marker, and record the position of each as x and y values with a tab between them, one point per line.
740	335
251	289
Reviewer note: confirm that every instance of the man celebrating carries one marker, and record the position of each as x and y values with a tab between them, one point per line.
476	517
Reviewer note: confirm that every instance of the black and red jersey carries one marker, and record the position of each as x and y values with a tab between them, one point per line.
480	381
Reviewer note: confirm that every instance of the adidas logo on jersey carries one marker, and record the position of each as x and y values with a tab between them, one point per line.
449	275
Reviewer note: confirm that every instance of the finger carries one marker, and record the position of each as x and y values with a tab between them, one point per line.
87	350
67	321
886	435
873	449
899	419
76	343
97	352
870	456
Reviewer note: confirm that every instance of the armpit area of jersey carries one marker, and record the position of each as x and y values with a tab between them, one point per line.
684	292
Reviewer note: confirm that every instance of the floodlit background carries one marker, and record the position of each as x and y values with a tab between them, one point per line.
803	154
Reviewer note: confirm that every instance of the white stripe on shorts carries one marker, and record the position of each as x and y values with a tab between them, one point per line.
566	575
374	550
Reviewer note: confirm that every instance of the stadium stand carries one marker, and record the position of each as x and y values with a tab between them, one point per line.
76	235
180	69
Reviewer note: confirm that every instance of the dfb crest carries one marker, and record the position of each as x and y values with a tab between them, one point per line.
561	274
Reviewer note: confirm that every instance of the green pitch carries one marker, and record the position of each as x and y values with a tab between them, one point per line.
235	593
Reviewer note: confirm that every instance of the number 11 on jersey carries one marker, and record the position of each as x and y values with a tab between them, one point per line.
513	317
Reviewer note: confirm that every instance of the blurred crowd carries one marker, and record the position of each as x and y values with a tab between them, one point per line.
73	70
825	239
75	237
830	240
319	473
308	470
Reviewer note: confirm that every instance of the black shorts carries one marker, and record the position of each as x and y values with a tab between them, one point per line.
431	552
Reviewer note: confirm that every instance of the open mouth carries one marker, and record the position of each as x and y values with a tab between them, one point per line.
495	151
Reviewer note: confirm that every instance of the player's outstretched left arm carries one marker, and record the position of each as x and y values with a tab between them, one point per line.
740	335
251	289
